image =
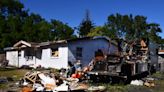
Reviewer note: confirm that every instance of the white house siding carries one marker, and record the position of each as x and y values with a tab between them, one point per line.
161	63
46	60
12	57
89	47
55	62
14	60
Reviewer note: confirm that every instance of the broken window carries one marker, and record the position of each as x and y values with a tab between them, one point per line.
79	52
29	53
54	52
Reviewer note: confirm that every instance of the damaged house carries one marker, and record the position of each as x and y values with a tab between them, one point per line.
57	54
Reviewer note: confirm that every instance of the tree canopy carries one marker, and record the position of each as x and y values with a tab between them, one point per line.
16	24
128	27
85	26
61	30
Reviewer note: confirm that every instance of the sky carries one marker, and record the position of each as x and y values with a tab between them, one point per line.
73	11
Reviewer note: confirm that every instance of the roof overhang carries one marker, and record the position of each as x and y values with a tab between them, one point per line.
22	44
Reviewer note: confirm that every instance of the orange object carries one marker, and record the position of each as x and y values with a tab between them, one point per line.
49	86
73	75
26	89
76	76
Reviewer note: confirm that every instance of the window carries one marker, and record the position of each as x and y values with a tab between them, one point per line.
29	53
54	52
79	52
19	53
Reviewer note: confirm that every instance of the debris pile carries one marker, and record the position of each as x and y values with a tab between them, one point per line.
132	59
40	81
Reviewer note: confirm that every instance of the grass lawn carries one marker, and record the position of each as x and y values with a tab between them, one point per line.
159	86
13	73
17	74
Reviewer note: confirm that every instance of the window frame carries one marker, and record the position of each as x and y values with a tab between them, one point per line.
53	52
29	54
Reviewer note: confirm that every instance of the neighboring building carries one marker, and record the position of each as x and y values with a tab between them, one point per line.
161	58
56	54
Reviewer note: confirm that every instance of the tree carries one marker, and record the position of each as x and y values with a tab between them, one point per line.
115	24
97	31
61	30
153	30
102	31
133	28
140	26
85	26
35	29
11	15
17	24
11	7
127	26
